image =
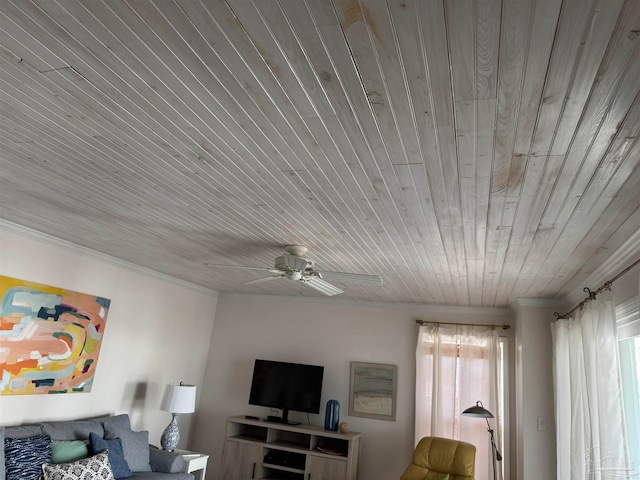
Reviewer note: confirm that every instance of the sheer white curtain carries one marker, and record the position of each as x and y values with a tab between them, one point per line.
456	366
590	428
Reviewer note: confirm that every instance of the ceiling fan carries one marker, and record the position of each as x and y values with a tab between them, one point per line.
292	265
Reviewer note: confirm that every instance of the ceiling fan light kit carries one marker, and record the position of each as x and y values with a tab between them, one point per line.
293	266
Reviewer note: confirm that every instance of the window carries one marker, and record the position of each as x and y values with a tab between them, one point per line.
630	370
503	402
628	319
457	366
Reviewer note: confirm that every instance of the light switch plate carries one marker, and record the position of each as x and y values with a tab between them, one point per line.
542	424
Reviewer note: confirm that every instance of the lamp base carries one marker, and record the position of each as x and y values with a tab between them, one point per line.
171	435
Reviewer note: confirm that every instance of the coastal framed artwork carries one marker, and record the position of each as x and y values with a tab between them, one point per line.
50	338
372	390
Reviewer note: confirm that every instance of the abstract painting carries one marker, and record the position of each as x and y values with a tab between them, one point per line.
50	338
372	392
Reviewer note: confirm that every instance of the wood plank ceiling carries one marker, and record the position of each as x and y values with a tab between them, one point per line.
467	151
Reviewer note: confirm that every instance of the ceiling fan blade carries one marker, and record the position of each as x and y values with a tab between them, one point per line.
263	279
271	270
321	286
295	263
352	277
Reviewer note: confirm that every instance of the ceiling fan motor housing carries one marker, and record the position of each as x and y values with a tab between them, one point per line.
281	265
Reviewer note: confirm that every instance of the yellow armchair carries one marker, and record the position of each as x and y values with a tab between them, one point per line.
436	458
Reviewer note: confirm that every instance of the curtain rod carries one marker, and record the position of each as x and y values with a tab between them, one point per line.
592	295
503	327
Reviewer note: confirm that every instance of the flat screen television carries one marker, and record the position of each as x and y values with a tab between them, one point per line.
286	386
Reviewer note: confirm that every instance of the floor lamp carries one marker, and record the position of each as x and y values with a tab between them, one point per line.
479	411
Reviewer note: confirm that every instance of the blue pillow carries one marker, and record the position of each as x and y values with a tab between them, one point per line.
24	457
119	465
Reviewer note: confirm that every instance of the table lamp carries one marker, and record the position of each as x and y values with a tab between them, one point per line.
479	411
178	398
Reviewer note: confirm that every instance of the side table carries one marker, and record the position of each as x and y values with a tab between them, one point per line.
194	462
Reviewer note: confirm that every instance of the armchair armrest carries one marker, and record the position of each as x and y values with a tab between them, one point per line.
164	461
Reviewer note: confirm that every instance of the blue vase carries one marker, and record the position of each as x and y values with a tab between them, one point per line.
332	415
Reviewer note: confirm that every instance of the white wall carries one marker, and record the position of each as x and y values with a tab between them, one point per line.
536	449
158	331
322	332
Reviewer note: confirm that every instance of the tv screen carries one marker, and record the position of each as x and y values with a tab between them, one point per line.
287	386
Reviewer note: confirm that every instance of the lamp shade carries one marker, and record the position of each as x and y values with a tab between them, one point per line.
179	398
478	411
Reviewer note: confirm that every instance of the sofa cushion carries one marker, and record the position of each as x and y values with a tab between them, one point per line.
65	451
23	431
116	456
135	445
24	457
161	476
96	466
2	470
165	461
117	423
73	430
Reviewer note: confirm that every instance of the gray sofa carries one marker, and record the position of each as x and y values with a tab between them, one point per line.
145	461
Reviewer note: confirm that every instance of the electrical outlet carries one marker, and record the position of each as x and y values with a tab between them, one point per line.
542	424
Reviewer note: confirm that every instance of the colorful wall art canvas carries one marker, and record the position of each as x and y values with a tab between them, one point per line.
49	338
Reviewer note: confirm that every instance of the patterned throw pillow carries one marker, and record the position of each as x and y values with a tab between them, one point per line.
96	467
24	457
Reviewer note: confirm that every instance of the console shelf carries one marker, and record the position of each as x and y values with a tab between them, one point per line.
261	450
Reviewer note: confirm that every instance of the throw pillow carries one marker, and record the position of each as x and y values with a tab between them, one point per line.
134	444
24	457
116	456
136	450
96	467
65	451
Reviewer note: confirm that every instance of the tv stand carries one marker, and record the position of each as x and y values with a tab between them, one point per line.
262	449
274	419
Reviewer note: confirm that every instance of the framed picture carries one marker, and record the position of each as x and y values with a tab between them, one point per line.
372	391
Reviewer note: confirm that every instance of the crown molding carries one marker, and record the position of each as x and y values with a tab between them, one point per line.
628	312
505	313
539	302
617	261
16	229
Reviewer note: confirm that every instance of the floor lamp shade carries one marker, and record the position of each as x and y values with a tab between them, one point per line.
478	411
178	398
